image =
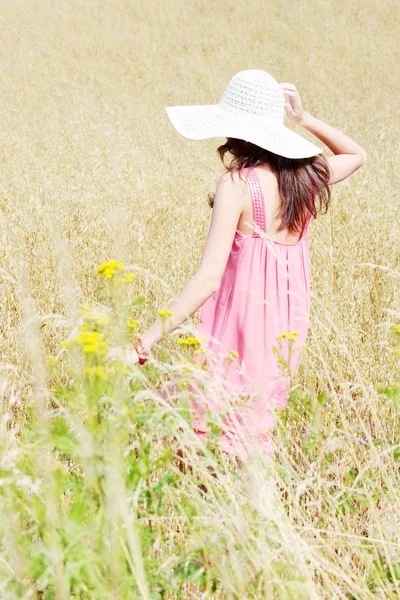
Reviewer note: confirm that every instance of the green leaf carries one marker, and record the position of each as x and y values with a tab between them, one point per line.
392	392
37	566
350	477
138	303
396	572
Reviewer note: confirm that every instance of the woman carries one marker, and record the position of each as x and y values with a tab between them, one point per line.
253	282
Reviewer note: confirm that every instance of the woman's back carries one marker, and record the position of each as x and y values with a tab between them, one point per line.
268	182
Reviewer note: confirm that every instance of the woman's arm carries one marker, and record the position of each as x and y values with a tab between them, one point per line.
336	140
349	156
228	206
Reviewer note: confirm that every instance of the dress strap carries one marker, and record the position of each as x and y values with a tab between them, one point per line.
257	197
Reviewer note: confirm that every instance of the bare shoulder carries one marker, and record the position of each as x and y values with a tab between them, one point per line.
233	176
233	183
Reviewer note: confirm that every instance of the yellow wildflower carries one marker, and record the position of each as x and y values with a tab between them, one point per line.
97	371
127	278
108	268
91	342
234	353
164	312
96	316
102	347
133	323
90	348
293	335
190	341
88	337
51	360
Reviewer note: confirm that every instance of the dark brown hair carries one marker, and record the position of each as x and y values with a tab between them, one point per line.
300	180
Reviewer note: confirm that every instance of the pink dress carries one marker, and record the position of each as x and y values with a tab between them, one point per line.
264	292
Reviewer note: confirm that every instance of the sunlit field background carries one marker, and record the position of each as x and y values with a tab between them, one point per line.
93	504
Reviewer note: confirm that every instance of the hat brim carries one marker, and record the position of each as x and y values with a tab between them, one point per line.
201	122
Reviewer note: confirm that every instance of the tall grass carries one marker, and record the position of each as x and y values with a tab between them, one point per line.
93	502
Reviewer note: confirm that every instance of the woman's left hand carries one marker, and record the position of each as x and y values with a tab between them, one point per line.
126	353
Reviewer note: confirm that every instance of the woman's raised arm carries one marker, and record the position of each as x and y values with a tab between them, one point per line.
349	156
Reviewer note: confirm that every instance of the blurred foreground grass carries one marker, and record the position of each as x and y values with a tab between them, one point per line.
93	503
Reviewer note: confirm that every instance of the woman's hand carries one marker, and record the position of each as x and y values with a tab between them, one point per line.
126	353
294	108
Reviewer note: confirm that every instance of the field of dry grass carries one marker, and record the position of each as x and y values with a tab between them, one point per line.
92	170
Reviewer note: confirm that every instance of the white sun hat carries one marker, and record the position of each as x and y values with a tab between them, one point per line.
252	108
